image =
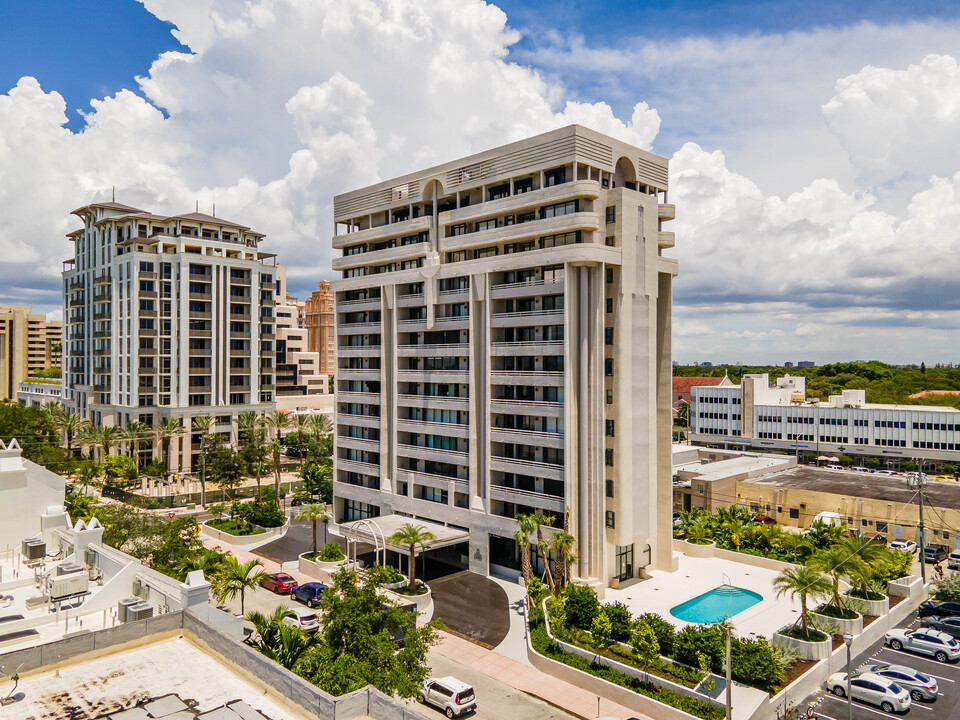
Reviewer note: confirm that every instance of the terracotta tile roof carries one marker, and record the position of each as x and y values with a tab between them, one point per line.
683	384
929	393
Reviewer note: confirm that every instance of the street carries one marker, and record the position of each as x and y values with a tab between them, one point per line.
947	704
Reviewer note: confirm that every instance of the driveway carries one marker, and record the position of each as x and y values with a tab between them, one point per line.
299	539
472	606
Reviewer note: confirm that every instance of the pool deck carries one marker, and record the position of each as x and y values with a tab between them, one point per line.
695	576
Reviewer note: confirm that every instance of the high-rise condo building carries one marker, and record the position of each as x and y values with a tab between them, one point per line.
28	342
503	347
318	319
298	369
167	317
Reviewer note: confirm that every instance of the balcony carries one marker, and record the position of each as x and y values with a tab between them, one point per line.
667	211
348	351
76	302
358	374
102	352
356	328
200	370
102	279
423	426
585	221
543	347
201	296
448	376
200	333
423	452
380	232
543	378
147	275
354	305
527	497
103	315
666	239
242	281
242	299
199	315
240	353
147	370
358	397
531	200
344	441
378	257
367	421
433	401
101	388
526	407
144	295
526	437
440	482
526	467
147	332
358	466
100	334
240	317
526	288
459	349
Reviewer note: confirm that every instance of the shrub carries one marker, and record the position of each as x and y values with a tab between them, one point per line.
893	566
948	588
620	621
537	590
664	630
384	574
260	512
331	552
706	639
557	615
796	632
581	605
755	662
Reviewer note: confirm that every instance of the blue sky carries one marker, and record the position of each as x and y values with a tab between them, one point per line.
814	146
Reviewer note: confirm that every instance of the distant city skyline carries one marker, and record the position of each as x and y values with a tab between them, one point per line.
814	166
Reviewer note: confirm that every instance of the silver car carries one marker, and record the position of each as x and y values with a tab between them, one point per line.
920	686
935	643
872	689
949	625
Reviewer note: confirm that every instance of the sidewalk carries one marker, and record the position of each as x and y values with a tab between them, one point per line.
528	679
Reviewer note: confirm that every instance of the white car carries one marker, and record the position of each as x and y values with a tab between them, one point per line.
304	619
873	689
935	643
903	545
452	696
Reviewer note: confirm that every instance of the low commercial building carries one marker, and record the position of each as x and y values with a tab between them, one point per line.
706	478
39	392
682	386
298	368
765	416
28	342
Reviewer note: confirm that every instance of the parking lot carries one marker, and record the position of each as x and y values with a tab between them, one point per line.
947	704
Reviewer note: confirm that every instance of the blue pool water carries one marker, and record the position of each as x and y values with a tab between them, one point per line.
715	605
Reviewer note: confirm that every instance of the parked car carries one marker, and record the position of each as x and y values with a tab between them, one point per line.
764	520
943	609
309	593
934	643
873	689
953	561
304	619
452	696
934	553
949	625
920	686
280	583
903	545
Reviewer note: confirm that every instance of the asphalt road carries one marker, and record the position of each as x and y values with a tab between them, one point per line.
947	704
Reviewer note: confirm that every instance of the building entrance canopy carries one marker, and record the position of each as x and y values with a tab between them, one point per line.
363	531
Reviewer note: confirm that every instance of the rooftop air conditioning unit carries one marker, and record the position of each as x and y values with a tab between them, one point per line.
67	586
140	611
137	587
90	557
70	569
125	605
33	549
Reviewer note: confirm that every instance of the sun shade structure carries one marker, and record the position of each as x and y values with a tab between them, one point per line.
362	531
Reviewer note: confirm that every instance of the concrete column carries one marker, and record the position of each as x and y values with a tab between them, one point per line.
583	418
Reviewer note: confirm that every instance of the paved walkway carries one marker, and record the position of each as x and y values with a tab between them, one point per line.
528	679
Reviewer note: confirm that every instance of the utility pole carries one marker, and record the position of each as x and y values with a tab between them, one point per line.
920	480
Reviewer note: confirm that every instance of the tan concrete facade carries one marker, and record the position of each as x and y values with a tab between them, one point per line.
298	369
28	342
503	347
319	321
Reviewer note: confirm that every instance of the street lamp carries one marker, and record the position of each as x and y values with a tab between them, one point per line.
848	641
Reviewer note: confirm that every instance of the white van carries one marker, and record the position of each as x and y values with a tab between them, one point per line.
450	695
953	560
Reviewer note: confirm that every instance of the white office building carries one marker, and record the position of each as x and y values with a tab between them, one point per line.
167	317
761	414
504	325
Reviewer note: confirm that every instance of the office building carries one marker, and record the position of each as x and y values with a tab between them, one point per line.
762	415
167	317
318	318
503	330
28	342
298	369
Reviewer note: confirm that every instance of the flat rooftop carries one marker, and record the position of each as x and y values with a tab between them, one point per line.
893	488
170	678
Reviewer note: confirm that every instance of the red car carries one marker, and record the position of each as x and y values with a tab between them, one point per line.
764	520
280	583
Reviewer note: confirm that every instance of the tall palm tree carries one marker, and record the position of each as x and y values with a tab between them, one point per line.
412	536
165	431
837	563
804	582
203	424
267	627
795	544
561	544
235	578
301	424
320	428
275	449
314	512
247	423
526	525
103	437
136	433
72	424
869	551
540	519
279	421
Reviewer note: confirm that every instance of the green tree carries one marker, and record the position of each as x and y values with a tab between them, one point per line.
72	425
645	647
224	466
837	563
236	578
319	479
795	544
948	589
543	547
601	632
869	552
275	449
301	423
561	544
115	467
801	582
581	604
166	430
413	536
136	433
267	627
254	453
322	429
526	524
314	512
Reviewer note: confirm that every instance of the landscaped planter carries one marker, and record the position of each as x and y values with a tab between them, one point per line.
699	550
908	587
854	626
872	607
264	535
808	650
314	567
422	600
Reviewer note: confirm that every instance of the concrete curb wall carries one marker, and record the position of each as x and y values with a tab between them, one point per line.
711	550
247	541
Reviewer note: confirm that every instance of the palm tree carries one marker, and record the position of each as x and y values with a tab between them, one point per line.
314	512
697	531
320	427
208	562
275	448
247	423
837	562
267	626
526	525
203	424
291	644
540	519
278	420
736	530
136	432
102	437
411	535
561	543
795	543
72	424
804	582
300	424
235	578
869	551
166	430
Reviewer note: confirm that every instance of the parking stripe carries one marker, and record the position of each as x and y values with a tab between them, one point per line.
858	706
915	657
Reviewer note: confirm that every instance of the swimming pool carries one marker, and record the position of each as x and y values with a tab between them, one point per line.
713	606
